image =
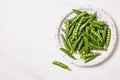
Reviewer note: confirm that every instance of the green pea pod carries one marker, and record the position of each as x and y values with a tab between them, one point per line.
92	17
62	65
90	58
104	34
97	26
76	43
91	54
71	30
99	47
101	23
108	37
65	43
80	44
87	32
77	11
67	24
86	44
67	53
70	45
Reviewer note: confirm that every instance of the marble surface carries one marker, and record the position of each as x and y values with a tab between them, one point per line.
28	44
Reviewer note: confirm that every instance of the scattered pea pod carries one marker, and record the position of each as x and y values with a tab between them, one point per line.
62	65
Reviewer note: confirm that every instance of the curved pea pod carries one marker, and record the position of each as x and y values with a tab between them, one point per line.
77	11
108	37
76	43
67	53
90	58
92	17
101	23
65	43
62	65
80	44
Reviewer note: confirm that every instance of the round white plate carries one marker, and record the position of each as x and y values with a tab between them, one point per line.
101	15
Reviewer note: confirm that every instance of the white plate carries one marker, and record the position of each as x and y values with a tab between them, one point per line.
102	15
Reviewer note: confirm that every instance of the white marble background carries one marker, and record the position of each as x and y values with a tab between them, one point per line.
28	45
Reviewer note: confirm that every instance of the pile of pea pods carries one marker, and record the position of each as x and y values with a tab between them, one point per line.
83	33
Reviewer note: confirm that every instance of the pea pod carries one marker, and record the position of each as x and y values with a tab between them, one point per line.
65	43
91	54
101	23
90	58
99	47
108	37
104	34
67	53
71	30
86	44
97	26
77	11
80	44
62	65
67	24
76	43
